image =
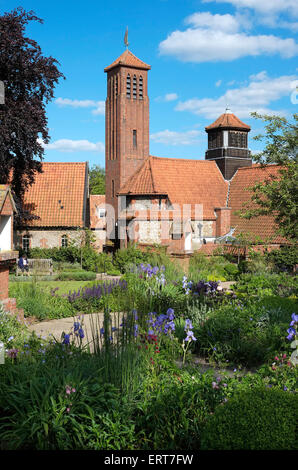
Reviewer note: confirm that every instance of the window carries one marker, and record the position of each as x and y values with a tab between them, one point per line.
134	87
116	85
128	85
26	242
141	87
134	139
64	241
113	188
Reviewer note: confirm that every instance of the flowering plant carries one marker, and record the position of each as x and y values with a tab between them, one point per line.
189	337
292	334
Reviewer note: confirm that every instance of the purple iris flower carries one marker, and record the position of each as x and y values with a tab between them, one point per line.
188	325
81	333
66	339
170	313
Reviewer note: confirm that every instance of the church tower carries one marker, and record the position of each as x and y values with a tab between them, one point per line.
127	122
228	144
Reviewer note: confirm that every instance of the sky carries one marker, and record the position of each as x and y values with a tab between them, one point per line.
205	55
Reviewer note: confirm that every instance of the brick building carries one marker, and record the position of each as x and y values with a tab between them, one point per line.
59	199
178	203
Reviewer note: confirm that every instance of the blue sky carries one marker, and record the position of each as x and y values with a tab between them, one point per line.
204	55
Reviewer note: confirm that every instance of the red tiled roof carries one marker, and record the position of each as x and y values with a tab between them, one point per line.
262	227
129	60
96	202
4	192
184	181
58	195
227	120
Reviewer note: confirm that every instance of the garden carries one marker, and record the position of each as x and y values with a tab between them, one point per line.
177	360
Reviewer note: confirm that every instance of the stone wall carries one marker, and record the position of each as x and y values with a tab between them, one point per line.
45	238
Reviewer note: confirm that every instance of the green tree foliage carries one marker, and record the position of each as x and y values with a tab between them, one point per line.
278	194
97	180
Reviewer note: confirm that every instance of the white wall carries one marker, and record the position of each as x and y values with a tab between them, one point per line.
5	232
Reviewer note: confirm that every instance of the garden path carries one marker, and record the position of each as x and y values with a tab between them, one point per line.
91	323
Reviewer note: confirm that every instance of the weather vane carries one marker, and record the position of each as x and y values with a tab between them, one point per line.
126	38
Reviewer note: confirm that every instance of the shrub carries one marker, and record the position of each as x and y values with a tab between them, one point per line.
285	258
267	284
257	419
40	304
10	328
125	257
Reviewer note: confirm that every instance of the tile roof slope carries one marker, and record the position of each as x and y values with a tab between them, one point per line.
184	181
130	60
263	227
4	191
65	182
227	120
96	200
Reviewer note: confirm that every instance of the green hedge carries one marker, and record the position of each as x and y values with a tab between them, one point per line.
76	276
258	419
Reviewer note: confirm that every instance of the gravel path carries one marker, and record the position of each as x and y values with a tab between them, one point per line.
91	325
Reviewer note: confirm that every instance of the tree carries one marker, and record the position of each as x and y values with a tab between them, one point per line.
97	180
278	195
29	79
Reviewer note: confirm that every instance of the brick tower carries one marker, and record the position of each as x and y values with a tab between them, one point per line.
228	144
127	122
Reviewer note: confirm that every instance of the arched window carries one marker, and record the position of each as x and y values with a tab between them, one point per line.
26	242
64	241
141	87
134	87
128	85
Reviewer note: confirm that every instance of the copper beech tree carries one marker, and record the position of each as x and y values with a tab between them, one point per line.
29	80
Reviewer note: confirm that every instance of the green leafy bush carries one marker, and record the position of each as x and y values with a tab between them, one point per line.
285	259
40	304
257	419
10	328
267	284
246	334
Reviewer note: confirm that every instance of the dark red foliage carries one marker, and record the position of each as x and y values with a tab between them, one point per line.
29	80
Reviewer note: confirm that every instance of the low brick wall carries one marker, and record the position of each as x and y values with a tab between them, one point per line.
4	279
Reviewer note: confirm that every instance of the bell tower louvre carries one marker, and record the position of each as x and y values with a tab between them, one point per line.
228	144
126	122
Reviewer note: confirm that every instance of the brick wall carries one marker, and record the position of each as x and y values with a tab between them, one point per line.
123	115
4	278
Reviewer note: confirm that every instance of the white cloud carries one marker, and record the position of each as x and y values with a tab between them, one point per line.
171	97
218	83
221	38
68	145
167	97
264	6
207	45
258	95
175	138
227	23
98	105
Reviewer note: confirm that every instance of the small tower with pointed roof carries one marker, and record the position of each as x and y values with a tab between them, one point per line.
228	144
127	122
